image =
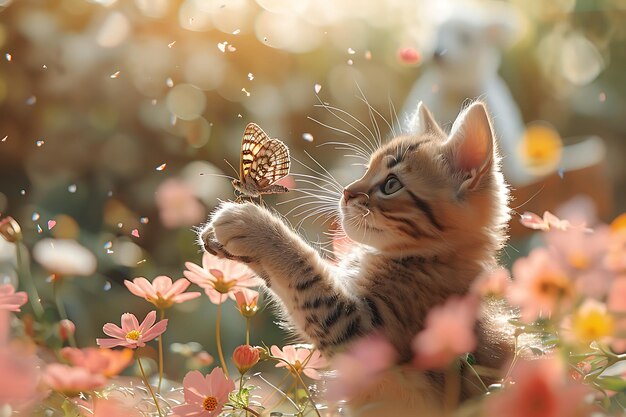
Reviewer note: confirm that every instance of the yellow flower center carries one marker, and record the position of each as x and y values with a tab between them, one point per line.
160	302
133	335
221	286
209	403
579	260
555	287
298	366
593	325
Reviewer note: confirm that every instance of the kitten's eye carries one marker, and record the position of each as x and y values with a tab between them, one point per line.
391	185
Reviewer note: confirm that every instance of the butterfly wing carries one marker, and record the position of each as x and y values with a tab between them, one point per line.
263	160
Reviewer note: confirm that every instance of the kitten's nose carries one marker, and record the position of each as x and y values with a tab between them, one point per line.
347	195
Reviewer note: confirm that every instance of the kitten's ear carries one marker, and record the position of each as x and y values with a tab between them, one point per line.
424	122
470	147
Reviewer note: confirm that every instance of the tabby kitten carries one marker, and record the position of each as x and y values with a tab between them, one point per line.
428	216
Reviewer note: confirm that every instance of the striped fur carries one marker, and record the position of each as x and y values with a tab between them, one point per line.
414	247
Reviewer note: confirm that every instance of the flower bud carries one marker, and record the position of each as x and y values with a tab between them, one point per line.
66	329
245	357
10	230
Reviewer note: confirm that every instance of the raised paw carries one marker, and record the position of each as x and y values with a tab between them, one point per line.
236	231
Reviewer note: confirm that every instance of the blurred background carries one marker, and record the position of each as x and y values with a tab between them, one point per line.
118	117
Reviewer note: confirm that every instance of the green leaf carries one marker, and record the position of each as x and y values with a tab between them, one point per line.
240	399
612	383
69	409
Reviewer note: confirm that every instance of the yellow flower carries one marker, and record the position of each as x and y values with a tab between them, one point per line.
592	322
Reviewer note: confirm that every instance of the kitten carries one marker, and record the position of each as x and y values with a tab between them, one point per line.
429	216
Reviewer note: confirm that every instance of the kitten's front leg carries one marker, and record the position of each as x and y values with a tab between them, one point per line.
324	313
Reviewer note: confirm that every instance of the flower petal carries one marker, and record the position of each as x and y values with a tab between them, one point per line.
162	284
129	322
147	322
154	331
134	288
180	298
113	330
109	343
177	288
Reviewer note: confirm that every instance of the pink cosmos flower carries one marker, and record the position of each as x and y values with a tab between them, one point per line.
582	254
19	377
204	396
220	278
107	362
71	380
302	359
616	304
541	287
161	292
11	300
177	204
247	302
540	389
360	366
132	334
448	333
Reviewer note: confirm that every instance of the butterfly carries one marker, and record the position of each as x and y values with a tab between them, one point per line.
263	162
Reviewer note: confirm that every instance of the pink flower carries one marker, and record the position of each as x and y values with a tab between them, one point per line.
548	222
492	283
540	287
220	278
66	329
108	407
245	357
132	334
616	304
360	366
448	333
303	360
247	302
582	253
204	396
540	389
11	300
177	204
19	377
71	380
162	292
107	362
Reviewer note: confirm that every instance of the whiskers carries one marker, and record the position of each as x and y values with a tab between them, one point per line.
367	139
320	195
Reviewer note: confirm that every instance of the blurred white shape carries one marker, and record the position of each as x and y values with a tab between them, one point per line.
581	62
228	16
65	257
113	31
266	102
207	181
105	3
149	62
126	253
192	16
79	53
196	132
289	32
38	25
205	70
153	8
186	101
284	6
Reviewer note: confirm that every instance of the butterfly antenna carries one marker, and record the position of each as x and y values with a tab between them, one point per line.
232	167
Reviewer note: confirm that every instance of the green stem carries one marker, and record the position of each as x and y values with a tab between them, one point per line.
452	388
56	287
145	381
476	374
301	381
248	331
23	271
162	314
219	339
